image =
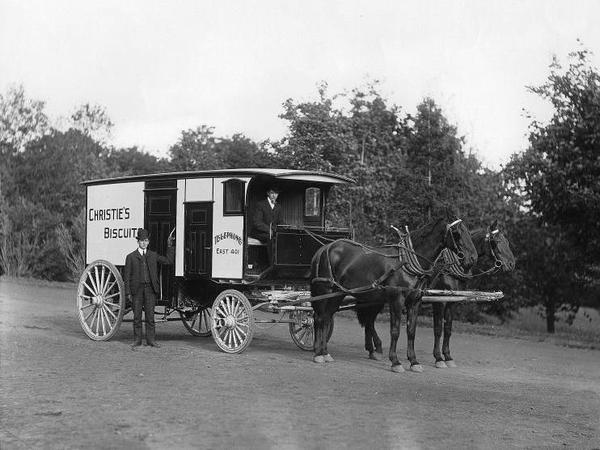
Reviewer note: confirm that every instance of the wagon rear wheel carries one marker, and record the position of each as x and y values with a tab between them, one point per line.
197	321
302	329
100	300
232	324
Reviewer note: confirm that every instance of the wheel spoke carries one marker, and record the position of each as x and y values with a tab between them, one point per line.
301	333
97	321
102	320
95	282
90	290
240	335
112	295
85	306
88	316
220	311
109	311
103	280
236	309
116	306
108	288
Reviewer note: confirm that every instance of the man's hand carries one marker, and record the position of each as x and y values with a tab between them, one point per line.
170	241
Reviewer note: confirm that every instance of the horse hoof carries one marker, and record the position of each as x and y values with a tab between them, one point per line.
441	365
416	368
398	368
319	359
451	363
376	356
328	358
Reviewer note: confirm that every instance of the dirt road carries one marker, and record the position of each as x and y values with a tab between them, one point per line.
61	390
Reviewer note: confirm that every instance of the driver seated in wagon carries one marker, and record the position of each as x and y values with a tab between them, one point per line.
265	218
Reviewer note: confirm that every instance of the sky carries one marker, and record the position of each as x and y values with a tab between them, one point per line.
161	67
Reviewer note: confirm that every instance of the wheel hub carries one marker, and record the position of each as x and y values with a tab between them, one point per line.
230	321
98	300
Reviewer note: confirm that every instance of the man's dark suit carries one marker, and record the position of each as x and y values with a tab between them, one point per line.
143	295
264	220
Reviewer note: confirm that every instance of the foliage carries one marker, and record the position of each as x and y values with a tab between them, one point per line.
70	242
26	241
93	121
49	171
132	161
22	120
555	183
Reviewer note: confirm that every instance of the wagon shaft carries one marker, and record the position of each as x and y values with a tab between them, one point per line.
442	296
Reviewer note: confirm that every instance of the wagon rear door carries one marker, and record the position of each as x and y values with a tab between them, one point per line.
198	232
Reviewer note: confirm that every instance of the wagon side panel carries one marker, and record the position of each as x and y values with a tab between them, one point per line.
228	230
114	213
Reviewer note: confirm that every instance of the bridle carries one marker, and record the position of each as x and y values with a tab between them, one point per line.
490	239
409	258
450	230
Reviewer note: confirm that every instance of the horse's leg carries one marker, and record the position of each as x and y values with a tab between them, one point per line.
374	343
376	352
395	316
412	312
319	323
438	316
330	310
448	314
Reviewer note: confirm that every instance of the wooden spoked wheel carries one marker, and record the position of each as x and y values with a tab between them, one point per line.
302	329
100	300
232	323
197	321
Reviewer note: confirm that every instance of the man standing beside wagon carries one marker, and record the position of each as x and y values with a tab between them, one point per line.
142	286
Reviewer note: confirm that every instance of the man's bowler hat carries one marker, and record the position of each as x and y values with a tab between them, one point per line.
142	234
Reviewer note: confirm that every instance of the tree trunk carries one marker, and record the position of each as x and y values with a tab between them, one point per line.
550	316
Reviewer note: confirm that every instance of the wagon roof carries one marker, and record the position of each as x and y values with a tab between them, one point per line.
281	174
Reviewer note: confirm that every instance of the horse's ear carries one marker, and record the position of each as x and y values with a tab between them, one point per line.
494	225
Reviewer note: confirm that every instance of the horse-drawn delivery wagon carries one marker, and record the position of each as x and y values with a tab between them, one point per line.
221	275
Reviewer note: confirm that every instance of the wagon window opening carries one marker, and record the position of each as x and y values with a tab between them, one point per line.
233	197
312	202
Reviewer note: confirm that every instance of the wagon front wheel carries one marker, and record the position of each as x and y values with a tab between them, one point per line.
197	321
100	300
302	329
232	321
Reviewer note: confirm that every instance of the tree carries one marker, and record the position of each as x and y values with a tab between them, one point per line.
93	121
132	161
50	170
561	168
22	120
195	150
557	178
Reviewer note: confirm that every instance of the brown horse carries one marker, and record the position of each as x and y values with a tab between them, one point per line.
376	276
494	255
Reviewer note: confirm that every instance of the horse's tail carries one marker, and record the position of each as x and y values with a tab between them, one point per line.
367	313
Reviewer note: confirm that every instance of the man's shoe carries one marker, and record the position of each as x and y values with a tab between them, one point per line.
135	345
154	344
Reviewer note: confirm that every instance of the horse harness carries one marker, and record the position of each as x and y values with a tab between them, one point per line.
407	259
